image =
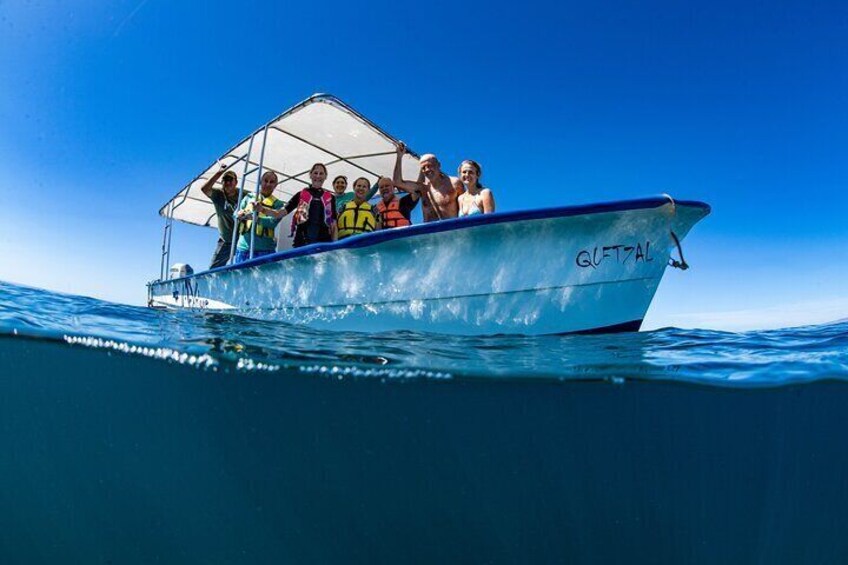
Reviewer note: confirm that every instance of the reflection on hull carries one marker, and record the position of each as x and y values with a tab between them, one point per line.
549	272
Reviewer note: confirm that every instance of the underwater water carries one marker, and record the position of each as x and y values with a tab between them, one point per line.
130	435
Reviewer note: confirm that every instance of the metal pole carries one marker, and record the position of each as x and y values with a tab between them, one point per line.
258	188
240	194
170	232
166	241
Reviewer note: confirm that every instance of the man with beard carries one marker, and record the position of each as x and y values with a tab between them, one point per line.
437	191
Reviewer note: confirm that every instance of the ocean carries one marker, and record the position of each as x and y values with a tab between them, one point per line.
130	435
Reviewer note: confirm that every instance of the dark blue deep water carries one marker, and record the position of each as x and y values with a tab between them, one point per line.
135	436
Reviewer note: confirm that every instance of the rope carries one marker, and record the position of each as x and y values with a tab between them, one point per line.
682	264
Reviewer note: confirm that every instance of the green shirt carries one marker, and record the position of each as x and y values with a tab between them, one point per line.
224	209
260	243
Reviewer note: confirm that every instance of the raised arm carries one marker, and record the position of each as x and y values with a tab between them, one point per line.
397	177
207	186
373	190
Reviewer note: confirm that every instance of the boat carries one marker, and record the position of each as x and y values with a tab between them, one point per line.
574	269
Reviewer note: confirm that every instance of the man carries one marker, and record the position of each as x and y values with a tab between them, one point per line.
225	202
264	211
391	211
438	193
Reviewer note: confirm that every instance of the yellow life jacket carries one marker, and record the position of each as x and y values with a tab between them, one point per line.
355	219
261	231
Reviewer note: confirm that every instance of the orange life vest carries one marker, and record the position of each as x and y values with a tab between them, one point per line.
390	216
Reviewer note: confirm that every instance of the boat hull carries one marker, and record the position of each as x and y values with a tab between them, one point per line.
578	269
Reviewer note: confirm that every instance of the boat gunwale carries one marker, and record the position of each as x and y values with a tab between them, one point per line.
380	236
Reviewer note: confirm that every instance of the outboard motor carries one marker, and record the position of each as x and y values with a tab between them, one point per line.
179	270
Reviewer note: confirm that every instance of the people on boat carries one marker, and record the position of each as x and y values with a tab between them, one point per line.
437	191
315	212
342	197
261	210
475	198
225	201
393	211
356	216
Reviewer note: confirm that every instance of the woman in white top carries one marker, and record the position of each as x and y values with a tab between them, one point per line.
476	199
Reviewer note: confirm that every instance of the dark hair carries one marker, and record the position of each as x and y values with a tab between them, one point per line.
335	179
266	173
322	165
477	168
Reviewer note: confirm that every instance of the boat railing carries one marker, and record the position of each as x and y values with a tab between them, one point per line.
166	242
240	193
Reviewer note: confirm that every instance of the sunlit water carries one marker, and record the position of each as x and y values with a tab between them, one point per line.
134	435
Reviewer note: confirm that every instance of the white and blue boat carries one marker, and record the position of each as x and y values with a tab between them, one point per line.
589	268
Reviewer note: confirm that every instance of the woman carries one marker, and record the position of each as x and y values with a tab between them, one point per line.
339	187
476	199
314	218
356	216
342	197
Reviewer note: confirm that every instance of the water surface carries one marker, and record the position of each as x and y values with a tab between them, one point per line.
133	435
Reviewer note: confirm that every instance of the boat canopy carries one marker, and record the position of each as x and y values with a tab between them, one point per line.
321	129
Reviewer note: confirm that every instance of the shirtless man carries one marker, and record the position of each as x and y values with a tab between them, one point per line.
438	193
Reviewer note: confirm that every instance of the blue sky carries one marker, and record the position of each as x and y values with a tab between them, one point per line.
108	108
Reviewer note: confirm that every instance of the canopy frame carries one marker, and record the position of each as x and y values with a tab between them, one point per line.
237	154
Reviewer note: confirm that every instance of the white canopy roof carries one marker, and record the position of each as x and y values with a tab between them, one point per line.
321	129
